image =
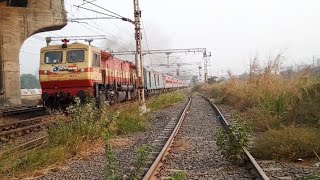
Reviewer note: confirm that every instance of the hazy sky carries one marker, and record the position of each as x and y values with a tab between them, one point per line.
233	30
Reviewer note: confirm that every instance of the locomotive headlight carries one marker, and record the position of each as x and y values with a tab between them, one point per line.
82	70
45	72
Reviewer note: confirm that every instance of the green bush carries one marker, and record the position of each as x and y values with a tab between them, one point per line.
141	162
232	141
87	123
289	143
65	137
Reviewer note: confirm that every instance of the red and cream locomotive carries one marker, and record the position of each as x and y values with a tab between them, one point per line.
74	70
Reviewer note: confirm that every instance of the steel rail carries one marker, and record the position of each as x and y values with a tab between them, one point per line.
19	110
5	135
160	158
26	146
22	123
227	126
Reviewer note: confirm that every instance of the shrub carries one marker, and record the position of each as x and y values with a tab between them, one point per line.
232	141
307	108
141	163
112	164
270	99
288	143
66	138
87	123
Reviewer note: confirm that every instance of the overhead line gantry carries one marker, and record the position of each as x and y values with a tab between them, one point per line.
163	51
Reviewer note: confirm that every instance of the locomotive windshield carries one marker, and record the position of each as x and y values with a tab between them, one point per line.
75	56
53	57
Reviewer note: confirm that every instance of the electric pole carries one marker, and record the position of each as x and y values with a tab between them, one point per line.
206	61
138	57
200	72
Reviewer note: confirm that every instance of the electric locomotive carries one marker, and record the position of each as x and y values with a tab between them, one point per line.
79	70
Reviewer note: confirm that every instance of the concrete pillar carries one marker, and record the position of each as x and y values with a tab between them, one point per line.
16	25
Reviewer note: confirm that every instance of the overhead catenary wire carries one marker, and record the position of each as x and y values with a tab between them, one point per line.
104	9
115	17
146	39
120	17
111	22
104	31
86	2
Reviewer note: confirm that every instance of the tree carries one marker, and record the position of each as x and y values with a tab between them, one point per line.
29	81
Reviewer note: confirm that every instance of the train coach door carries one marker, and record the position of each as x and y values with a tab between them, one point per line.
96	62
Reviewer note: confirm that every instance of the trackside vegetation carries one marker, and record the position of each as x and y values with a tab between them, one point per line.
284	109
231	142
84	129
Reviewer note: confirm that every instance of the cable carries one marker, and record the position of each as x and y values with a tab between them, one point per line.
28	53
104	9
99	33
123	41
94	30
146	39
97	12
87	2
121	17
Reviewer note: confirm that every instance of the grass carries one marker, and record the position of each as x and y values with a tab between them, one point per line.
66	138
129	120
165	100
86	125
126	121
276	105
289	143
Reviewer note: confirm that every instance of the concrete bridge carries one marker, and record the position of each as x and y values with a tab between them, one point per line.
20	19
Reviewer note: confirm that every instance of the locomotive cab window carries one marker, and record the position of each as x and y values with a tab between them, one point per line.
75	56
54	57
96	60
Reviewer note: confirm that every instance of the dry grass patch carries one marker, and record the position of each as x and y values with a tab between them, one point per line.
183	144
286	109
121	143
290	143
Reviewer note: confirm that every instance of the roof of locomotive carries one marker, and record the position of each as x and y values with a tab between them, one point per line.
70	46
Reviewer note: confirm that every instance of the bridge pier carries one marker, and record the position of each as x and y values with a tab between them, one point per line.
16	25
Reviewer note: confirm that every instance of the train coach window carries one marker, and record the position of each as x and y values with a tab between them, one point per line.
54	57
75	56
96	60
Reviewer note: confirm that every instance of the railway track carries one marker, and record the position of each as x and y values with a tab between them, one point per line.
21	110
255	165
169	134
25	147
273	170
163	145
20	128
276	169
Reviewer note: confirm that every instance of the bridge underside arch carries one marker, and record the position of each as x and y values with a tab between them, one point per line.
16	25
